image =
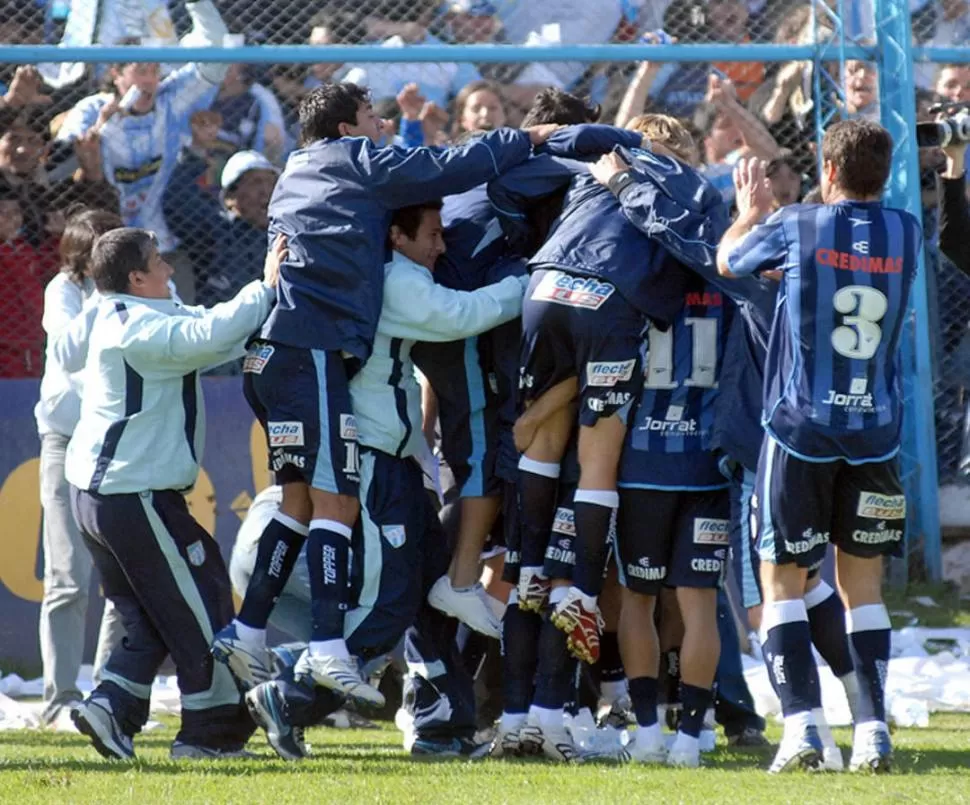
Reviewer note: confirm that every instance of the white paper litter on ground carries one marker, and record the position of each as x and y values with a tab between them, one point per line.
919	681
21	708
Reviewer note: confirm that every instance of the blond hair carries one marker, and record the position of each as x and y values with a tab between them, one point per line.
668	132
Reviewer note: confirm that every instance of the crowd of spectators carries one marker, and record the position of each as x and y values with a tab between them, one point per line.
193	154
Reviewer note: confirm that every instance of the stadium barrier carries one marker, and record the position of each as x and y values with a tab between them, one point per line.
936	346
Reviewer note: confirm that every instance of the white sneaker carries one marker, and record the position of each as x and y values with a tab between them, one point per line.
341	675
94	717
832	759
468	606
872	751
250	665
635	752
555	743
804	751
684	753
506	744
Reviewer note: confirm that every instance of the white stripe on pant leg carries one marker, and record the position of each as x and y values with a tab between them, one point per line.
427	670
373	559
324	473
222	690
766	536
136	689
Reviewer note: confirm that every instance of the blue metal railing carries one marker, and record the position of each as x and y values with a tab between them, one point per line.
894	54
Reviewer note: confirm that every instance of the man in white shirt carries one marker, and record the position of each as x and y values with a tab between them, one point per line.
135	451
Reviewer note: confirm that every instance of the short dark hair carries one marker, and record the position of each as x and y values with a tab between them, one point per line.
117	253
325	107
408	219
80	234
776	164
862	153
553	105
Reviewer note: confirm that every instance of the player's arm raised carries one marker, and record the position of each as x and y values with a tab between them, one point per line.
737	255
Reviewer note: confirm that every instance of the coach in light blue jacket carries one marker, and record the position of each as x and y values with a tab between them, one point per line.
135	450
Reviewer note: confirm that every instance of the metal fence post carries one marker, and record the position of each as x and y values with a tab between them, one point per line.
898	109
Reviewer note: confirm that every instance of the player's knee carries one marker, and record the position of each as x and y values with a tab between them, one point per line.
296	502
698	607
782	582
328	506
637	605
859	579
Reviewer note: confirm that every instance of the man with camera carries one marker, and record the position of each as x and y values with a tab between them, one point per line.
954	208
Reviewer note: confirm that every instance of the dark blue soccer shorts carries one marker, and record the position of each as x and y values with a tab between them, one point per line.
673	539
801	506
301	397
582	327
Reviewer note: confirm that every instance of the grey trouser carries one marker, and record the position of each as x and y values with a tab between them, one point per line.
67	584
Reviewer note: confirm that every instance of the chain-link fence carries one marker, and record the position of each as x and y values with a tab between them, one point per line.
156	142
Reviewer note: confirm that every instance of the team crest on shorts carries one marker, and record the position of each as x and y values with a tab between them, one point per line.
394	534
564	289
348	427
196	553
257	358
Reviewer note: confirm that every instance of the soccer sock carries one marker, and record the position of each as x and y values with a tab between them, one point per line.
694	701
670	675
556	672
643	694
870	635
593	511
279	547
328	554
613	684
520	641
538	489
826	621
787	642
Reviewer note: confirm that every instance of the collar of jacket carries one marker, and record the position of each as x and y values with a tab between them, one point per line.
160	305
399	259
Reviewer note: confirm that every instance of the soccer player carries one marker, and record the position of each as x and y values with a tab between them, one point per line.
738	434
476	380
402	536
832	417
737	423
334	203
672	524
583	319
136	449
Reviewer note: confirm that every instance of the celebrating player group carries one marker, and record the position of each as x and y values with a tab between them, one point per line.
536	387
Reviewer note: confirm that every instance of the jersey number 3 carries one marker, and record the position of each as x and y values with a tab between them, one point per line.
862	309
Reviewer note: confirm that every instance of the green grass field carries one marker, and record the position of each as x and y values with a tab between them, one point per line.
933	767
